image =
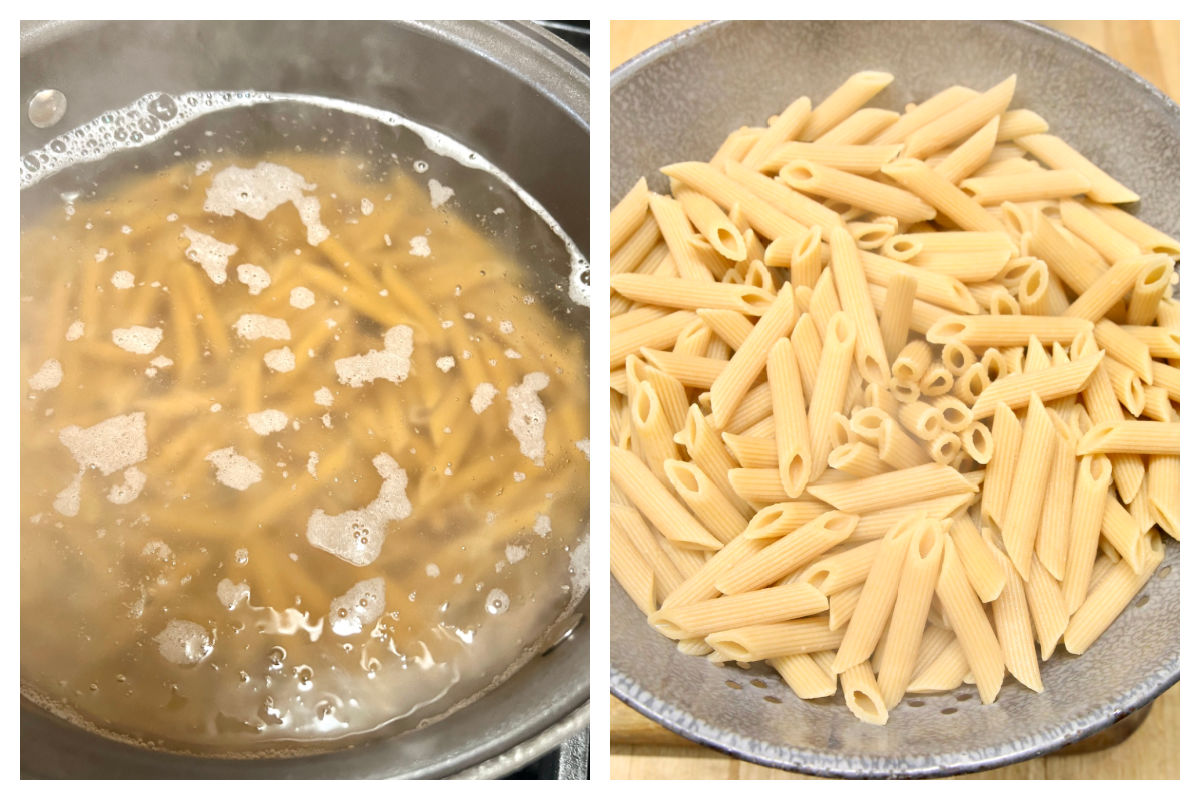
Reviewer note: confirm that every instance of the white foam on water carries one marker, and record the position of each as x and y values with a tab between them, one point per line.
585	446
258	191
390	364
356	536
102	253
234	470
259	326
75	331
527	416
313	460
541	525
302	297
361	606
230	593
183	642
255	277
137	339
483	396
280	360
497	602
164	114
130	489
432	570
323	397
445	363
162	362
122	279
419	246
439	195
66	502
157	548
515	553
48	376
267	422
367	207
116	443
212	255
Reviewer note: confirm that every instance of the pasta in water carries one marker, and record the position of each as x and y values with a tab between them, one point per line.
927	373
304	435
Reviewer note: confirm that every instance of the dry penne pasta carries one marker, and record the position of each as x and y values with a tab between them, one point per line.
940	388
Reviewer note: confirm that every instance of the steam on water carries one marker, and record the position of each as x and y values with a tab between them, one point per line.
287	476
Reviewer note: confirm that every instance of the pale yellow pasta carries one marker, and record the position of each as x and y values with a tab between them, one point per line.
1131	436
666	575
687	293
1112	593
677	232
941	290
689	371
982	567
752	451
1056	153
701	584
1107	290
944	196
971	626
748	361
774	640
1051	383
844	101
1014	626
863	495
859	128
632	571
785	127
704	447
841	571
897	311
805	675
788	553
650	497
1122	532
858	459
856	190
918	579
661	332
1109	242
1149	288
962	121
651	428
847	270
714	511
859	159
968	157
627	215
1023	509
774	604
636	248
1025	186
1047	421
704	178
874	607
1148	238
801	209
829	392
862	694
782	518
1054	528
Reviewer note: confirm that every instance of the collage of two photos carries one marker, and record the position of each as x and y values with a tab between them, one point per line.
308	401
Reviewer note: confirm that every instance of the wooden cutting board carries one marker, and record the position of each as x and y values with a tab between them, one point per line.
642	749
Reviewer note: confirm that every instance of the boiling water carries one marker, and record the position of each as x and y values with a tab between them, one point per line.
304	421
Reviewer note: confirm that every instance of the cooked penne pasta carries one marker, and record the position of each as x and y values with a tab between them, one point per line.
939	387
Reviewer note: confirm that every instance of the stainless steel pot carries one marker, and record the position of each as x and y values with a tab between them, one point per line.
509	91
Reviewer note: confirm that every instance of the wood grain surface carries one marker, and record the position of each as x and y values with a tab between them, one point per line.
643	750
